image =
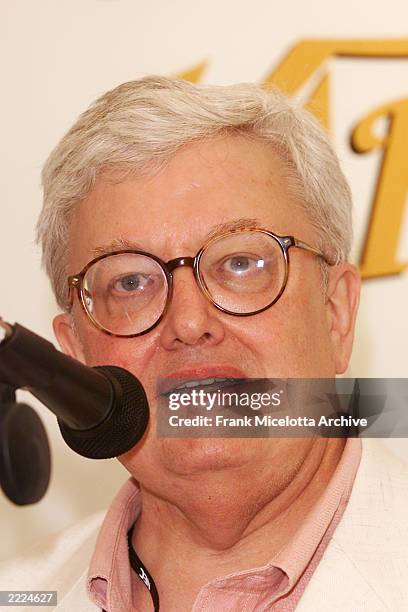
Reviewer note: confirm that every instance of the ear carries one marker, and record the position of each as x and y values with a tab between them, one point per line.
342	299
67	337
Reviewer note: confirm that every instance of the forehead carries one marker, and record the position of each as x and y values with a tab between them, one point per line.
203	187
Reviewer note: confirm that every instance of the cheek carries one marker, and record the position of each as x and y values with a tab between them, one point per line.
311	337
292	339
101	349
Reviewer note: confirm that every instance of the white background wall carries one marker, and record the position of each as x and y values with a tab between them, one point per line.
56	56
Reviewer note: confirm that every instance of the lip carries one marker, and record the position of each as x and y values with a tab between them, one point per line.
179	377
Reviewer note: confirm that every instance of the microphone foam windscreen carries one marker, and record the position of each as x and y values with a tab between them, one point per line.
122	428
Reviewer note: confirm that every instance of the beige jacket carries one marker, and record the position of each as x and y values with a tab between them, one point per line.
364	568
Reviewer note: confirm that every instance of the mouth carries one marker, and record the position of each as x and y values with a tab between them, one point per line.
209	378
209	384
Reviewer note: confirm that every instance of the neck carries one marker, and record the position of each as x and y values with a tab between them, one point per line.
204	528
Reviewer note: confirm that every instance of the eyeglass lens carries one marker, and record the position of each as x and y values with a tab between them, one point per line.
126	293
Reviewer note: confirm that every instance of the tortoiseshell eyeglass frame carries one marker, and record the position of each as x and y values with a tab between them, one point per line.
76	281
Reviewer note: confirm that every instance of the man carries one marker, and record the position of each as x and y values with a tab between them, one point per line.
159	171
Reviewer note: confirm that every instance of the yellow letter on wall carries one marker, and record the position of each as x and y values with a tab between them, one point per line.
380	248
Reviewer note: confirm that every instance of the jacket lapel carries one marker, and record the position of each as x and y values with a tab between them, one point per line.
364	567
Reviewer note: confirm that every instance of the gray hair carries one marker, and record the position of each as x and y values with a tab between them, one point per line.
141	124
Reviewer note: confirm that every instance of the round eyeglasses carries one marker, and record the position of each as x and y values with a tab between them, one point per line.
126	293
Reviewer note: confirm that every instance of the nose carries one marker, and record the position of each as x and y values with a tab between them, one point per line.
191	320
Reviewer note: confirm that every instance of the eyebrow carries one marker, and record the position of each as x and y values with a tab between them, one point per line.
119	244
230	226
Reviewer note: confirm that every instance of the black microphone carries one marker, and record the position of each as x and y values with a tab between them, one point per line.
102	411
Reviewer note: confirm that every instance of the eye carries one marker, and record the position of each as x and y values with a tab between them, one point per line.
132	283
241	264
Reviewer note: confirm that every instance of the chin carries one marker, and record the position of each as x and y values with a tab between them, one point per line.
186	456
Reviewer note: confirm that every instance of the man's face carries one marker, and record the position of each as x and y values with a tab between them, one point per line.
170	214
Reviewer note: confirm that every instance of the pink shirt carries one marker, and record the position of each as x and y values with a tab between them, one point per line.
276	586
